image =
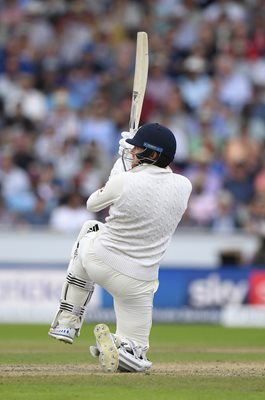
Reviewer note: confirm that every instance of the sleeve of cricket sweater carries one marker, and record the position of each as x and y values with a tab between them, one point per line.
117	168
108	194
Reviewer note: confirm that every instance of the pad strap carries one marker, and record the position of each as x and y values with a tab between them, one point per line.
72	308
80	283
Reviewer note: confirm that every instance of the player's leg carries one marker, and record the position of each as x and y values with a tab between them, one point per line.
126	349
133	307
134	321
76	293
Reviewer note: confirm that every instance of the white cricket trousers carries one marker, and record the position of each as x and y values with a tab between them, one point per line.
133	298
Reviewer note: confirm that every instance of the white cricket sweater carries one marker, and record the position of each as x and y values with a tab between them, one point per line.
146	205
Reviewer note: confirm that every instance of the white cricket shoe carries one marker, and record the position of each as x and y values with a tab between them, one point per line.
133	359
65	335
94	351
108	352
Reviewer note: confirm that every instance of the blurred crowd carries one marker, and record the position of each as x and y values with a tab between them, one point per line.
66	75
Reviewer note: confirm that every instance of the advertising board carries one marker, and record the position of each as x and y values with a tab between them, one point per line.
30	293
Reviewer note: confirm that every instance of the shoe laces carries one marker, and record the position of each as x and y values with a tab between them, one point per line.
136	350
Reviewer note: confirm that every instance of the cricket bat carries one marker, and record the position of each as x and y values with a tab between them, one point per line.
140	80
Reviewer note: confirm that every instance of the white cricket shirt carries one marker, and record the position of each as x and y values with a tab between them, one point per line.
146	205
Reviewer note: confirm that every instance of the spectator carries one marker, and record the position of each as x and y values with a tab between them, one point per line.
240	183
90	177
226	219
16	186
23	151
68	162
204	138
244	148
39	216
254	216
70	214
195	85
233	10
202	166
83	84
97	126
62	118
202	205
10	90
66	75
233	86
159	85
47	146
48	186
259	183
174	115
33	103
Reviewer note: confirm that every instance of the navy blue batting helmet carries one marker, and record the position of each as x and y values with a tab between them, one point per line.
156	137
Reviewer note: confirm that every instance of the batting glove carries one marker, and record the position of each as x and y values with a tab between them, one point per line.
126	135
123	145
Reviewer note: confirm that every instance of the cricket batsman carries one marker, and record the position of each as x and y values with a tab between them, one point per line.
146	203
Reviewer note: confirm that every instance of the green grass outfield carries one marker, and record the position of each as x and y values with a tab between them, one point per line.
190	363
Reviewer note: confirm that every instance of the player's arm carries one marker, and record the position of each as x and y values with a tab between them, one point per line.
107	195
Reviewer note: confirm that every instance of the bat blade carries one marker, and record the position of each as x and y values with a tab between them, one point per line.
140	80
